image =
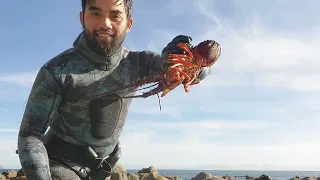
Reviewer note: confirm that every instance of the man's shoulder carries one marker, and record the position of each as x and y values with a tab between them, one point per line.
61	59
130	51
136	55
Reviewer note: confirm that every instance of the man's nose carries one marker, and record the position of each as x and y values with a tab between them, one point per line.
106	23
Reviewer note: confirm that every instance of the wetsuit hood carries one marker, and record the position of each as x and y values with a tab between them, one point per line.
105	63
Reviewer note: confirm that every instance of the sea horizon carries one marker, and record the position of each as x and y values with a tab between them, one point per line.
187	174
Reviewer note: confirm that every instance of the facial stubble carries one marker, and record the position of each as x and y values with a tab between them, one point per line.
104	48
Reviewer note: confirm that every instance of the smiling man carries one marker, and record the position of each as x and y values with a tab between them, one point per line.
68	96
106	24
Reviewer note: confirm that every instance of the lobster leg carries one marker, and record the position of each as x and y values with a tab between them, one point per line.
147	94
196	81
192	81
172	86
175	70
184	47
178	58
146	80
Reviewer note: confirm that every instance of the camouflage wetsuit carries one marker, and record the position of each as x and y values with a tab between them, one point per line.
64	96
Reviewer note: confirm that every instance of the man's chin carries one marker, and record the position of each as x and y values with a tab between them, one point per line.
104	39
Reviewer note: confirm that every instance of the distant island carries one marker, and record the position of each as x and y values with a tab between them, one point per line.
1	167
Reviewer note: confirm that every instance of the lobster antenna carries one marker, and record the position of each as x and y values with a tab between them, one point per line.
159	101
145	87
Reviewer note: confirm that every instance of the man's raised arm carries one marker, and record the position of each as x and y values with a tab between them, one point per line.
44	98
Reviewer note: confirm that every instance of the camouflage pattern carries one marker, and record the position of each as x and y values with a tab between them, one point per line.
67	95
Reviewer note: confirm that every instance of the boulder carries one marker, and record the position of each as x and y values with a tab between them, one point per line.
119	173
305	178
263	177
151	173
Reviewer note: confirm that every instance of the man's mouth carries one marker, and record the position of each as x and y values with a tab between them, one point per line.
104	34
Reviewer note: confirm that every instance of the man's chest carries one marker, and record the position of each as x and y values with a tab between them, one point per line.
84	85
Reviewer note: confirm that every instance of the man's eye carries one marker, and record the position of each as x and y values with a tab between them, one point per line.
94	14
116	16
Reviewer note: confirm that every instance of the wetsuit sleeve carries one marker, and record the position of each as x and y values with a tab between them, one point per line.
151	63
42	103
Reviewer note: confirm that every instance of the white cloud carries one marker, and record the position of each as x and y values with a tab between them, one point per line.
219	143
270	61
8	157
143	145
2	130
4	110
197	125
22	78
140	148
264	57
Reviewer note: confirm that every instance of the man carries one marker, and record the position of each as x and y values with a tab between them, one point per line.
67	95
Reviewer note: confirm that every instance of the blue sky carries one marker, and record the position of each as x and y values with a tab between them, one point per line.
259	106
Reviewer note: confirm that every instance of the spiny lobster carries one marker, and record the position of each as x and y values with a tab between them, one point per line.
181	69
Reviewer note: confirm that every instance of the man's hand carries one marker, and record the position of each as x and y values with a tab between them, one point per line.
172	47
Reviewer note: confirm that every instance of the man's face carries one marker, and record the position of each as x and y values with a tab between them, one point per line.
105	23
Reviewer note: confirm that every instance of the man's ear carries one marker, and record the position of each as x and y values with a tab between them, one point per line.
81	14
129	25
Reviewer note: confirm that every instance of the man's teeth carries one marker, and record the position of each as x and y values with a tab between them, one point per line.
103	34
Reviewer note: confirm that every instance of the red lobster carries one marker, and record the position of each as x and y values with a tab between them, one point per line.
181	68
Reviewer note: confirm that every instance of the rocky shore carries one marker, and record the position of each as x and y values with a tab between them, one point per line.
151	173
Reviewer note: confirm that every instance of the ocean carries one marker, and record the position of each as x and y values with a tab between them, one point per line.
275	175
